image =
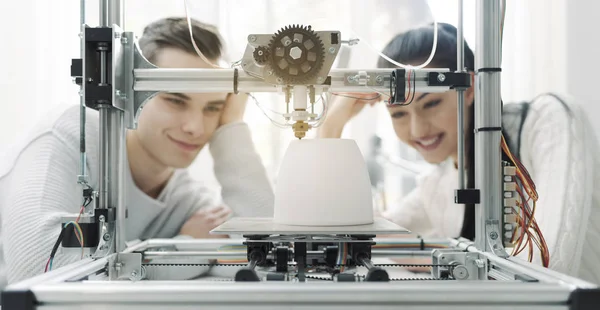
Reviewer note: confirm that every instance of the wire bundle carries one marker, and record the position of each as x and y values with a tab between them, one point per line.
78	235
342	256
529	232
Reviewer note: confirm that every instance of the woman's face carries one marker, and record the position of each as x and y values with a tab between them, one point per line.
429	123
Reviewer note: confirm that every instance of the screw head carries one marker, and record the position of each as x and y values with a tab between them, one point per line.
441	77
350	79
117	35
252	38
479	263
379	79
332	50
494	235
106	237
270	72
279	80
460	272
124	40
101	218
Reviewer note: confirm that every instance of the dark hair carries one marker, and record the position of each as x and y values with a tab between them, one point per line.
174	32
414	47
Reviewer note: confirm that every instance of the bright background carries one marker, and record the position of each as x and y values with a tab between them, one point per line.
546	48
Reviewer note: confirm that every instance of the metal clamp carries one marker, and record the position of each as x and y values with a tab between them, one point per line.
494	238
365	78
126	266
450	263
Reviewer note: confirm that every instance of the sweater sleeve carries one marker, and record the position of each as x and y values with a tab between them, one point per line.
246	189
556	156
43	188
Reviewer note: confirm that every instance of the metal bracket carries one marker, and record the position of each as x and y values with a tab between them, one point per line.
366	78
126	266
494	238
107	238
465	265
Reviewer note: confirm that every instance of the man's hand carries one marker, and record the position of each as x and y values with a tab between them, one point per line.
343	108
202	222
235	106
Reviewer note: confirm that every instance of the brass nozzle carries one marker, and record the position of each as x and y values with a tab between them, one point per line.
300	128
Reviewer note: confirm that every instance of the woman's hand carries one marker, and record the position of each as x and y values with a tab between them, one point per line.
343	108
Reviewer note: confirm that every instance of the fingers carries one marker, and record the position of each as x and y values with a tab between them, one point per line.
361	97
216	216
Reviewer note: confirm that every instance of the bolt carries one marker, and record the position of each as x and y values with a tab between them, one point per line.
479	263
134	274
124	40
101	218
460	272
295	52
106	237
379	79
117	35
441	77
332	50
118	266
494	235
252	38
260	53
118	93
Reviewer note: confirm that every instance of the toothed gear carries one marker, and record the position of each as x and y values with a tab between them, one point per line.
297	54
261	55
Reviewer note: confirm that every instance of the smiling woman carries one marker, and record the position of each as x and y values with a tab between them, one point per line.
549	139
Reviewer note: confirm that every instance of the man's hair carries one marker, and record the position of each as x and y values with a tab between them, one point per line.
174	32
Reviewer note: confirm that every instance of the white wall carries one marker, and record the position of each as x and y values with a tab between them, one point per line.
583	52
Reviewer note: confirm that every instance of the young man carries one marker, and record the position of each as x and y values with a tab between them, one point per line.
162	199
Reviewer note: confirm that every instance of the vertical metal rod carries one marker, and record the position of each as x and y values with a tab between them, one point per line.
115	14
103	67
460	54
104	156
488	121
116	188
82	155
103	22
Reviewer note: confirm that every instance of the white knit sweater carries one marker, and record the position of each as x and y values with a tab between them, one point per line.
561	153
38	186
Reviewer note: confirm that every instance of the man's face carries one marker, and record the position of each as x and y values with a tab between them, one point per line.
174	127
